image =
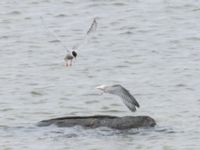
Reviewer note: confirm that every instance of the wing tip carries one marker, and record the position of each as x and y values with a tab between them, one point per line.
137	105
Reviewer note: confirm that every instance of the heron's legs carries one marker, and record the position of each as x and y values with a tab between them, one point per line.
70	63
66	64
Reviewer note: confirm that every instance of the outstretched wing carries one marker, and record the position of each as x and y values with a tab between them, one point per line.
93	27
91	30
128	99
54	35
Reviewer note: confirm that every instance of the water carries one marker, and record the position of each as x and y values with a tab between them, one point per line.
150	47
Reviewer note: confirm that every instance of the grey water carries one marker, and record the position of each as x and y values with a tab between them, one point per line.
150	47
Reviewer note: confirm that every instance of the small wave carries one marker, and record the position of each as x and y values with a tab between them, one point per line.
121	66
126	33
181	85
54	41
36	93
15	12
61	15
119	4
193	38
92	102
4	37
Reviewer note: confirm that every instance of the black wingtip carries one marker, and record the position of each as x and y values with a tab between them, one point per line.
137	104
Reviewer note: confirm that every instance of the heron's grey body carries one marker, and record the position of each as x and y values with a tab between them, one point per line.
119	90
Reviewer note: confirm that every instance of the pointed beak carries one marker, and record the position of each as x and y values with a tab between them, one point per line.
101	87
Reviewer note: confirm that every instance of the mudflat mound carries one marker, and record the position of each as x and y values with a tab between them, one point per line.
126	122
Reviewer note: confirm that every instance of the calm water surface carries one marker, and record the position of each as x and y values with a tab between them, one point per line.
151	48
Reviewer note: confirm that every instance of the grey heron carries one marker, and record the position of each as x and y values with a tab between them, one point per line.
119	90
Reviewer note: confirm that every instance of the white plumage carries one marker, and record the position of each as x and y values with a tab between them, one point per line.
72	52
119	90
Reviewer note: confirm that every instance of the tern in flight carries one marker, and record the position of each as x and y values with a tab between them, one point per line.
72	53
119	90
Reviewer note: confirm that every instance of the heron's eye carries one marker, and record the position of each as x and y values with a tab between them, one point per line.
74	53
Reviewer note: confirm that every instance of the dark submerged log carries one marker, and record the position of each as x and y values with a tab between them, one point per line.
126	122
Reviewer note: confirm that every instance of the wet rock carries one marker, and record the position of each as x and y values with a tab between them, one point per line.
126	122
